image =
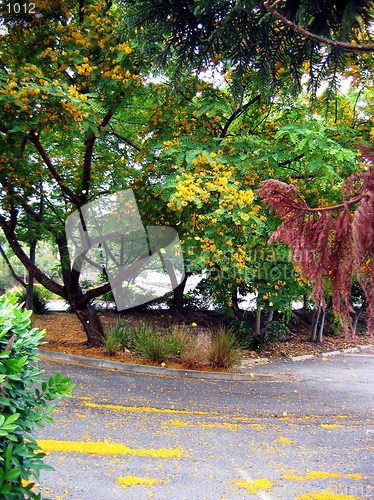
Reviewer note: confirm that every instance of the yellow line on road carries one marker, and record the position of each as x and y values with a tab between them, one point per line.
181	423
102	448
147	409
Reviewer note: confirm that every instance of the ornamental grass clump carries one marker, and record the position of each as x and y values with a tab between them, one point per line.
225	351
158	346
24	401
194	352
118	336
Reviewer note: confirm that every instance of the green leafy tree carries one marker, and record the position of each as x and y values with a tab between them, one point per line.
79	120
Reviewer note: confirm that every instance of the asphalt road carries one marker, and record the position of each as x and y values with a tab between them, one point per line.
131	436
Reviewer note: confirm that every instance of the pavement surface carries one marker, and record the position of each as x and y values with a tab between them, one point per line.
289	430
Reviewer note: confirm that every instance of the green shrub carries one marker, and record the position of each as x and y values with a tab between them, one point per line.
40	301
225	352
24	401
191	301
156	346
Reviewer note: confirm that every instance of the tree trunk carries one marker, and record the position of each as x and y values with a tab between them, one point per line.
357	317
91	323
316	315
30	293
30	282
269	319
320	332
235	298
178	294
305	301
258	321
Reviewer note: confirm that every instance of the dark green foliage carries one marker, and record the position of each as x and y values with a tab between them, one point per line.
247	338
244	34
24	401
191	301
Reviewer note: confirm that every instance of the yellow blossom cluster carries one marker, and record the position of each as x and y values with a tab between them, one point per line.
189	190
85	69
212	181
372	134
235	197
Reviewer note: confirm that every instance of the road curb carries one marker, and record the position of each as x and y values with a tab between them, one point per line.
155	370
175	372
303	358
254	361
332	353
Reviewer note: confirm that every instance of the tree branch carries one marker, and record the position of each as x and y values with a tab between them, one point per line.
238	112
350	47
125	140
81	11
334	207
34	139
87	163
37	216
86	177
288	162
11	269
96	292
42	278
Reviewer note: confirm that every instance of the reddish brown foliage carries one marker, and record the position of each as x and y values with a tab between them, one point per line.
333	243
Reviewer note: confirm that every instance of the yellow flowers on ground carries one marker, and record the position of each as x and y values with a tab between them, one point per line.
284	440
127	481
255	486
313	475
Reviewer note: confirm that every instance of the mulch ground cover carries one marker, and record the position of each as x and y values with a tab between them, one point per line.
64	333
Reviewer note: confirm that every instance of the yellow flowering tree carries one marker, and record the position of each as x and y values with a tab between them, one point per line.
66	72
206	155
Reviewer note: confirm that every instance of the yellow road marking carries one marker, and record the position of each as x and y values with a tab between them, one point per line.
102	448
224	425
146	409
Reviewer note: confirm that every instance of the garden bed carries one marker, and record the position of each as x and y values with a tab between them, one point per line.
65	334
